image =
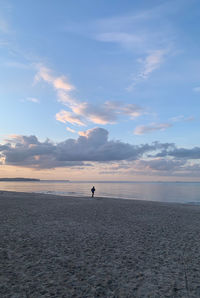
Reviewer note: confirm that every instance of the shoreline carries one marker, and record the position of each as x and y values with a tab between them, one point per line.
97	247
56	195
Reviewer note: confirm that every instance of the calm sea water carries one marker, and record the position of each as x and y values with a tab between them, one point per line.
164	192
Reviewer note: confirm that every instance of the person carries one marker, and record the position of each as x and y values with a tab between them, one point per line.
93	190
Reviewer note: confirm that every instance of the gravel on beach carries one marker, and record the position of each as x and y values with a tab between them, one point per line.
54	246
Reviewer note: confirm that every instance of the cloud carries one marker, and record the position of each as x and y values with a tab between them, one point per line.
4	26
143	129
67	117
82	111
19	140
27	151
66	98
139	29
152	62
182	118
149	64
167	166
140	130
193	153
141	166
98	115
70	130
125	39
107	113
160	164
33	99
6	32
146	34
16	64
196	89
91	146
59	83
132	110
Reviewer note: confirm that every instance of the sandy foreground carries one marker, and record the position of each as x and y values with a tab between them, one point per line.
53	246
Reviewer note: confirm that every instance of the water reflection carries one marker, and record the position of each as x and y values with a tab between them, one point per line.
165	192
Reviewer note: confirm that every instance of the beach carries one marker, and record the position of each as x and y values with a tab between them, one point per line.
54	246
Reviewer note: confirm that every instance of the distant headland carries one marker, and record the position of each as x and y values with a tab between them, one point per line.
19	179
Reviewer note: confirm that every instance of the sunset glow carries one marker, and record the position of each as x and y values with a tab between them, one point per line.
99	90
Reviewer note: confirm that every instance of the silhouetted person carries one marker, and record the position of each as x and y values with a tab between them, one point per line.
93	190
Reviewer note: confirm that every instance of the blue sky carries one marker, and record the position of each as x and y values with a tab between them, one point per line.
100	75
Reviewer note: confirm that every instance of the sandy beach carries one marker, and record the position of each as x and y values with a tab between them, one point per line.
53	246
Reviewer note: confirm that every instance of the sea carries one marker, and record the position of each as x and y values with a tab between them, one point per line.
178	192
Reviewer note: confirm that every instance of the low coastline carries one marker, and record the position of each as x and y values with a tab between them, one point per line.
102	247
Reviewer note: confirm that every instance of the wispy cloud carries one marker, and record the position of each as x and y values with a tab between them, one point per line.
98	115
59	83
6	32
143	129
108	113
105	114
145	34
16	64
151	62
66	98
81	111
196	89
4	25
127	40
182	118
33	99
67	117
70	130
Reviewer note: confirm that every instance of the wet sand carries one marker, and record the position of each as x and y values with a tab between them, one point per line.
53	246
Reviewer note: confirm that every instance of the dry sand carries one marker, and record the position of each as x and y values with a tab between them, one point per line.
52	246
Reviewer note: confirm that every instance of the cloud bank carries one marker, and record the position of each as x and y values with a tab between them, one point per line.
94	147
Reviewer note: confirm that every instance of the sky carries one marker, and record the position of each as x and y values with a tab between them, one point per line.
100	90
